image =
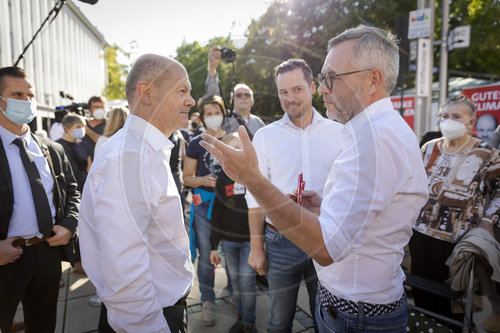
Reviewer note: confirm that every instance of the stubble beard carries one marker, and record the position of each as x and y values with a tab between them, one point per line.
300	111
344	109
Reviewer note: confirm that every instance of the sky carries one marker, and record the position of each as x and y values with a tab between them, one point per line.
160	26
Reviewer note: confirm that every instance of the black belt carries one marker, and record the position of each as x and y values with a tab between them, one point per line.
27	242
328	300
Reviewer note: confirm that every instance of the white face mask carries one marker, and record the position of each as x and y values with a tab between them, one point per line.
214	122
78	133
99	114
452	129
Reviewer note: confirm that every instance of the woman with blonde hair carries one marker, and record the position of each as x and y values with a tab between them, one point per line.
115	120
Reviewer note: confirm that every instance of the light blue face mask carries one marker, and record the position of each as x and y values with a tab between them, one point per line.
78	133
19	111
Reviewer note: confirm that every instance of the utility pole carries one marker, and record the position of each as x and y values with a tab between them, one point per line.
424	101
427	125
443	62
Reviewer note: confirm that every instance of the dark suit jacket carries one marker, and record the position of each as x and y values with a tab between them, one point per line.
66	196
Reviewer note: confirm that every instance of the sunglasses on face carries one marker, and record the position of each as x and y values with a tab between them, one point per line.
240	95
329	77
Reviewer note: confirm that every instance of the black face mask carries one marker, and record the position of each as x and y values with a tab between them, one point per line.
194	125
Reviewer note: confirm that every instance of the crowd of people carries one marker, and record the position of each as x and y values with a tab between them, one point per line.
329	201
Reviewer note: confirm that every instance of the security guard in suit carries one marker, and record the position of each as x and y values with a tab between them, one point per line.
39	210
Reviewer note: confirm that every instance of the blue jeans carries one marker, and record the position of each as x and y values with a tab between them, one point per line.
340	322
203	227
287	266
242	278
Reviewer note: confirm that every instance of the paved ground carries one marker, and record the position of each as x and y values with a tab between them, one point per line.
76	315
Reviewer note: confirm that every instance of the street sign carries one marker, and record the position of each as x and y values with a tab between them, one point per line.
413	50
419	23
423	75
459	37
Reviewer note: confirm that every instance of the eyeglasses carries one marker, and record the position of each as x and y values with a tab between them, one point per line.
240	95
330	76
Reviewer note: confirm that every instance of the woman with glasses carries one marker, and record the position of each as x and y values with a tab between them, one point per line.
200	172
464	193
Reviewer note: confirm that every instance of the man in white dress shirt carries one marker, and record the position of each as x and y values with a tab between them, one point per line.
304	142
134	247
373	194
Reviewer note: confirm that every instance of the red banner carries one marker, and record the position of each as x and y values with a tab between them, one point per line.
487	102
408	107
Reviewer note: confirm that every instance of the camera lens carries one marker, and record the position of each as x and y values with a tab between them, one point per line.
228	55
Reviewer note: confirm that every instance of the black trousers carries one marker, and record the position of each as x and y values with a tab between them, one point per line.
176	316
33	279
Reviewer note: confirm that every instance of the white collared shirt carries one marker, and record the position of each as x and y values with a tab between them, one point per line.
284	150
133	243
23	222
373	195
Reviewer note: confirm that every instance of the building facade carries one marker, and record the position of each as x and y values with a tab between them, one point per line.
66	56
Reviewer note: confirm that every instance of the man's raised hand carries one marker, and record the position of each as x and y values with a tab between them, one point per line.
240	165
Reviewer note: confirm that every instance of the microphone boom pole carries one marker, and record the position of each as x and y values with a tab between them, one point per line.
59	4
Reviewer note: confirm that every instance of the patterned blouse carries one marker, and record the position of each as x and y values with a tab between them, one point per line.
463	188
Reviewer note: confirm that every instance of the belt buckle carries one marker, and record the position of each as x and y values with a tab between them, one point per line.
27	242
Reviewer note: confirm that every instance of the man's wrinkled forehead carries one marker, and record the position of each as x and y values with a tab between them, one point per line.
243	90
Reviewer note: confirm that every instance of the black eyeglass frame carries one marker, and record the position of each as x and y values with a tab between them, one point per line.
322	77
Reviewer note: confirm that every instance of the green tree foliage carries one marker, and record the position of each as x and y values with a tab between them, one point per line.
484	51
195	58
117	73
302	28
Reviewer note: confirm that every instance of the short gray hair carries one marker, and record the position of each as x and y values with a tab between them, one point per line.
373	48
242	85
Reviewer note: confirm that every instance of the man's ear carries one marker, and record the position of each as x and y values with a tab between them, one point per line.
144	92
313	87
375	77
